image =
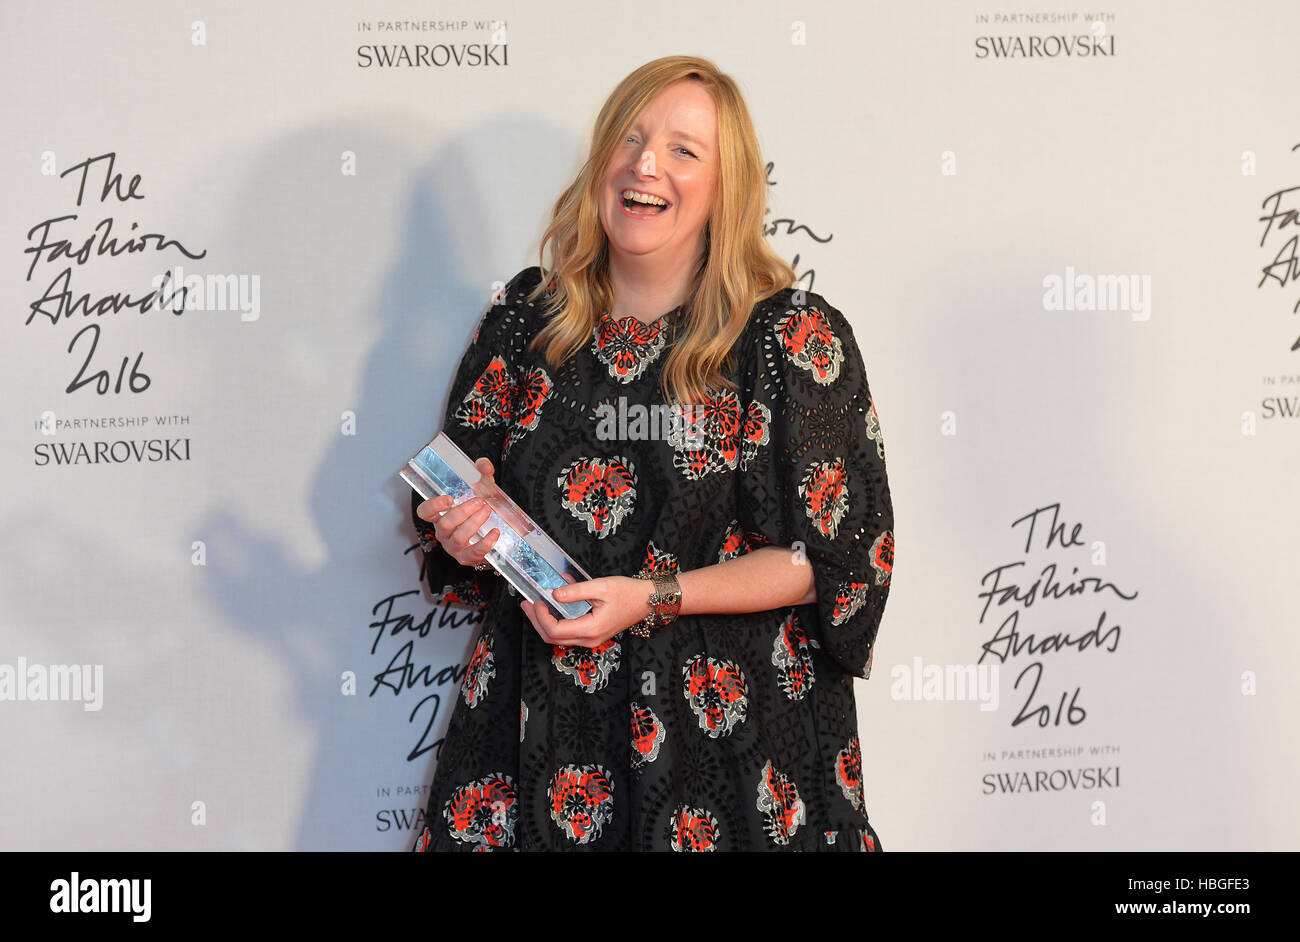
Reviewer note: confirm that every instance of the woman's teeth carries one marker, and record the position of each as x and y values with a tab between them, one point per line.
642	204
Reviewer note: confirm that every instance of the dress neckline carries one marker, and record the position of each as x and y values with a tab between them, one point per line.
667	318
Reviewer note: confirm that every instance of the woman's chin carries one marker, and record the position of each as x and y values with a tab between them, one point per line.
633	246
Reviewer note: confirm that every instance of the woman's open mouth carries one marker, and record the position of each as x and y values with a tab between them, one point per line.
641	204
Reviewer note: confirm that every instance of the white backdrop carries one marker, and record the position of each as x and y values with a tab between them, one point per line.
935	167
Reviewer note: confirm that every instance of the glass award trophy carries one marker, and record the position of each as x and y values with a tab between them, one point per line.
528	559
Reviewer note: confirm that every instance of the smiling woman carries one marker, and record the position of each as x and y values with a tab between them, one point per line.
743	558
657	197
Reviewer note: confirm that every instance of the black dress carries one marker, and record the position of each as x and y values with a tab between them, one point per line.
720	732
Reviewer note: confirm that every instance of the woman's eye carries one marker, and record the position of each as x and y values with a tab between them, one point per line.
687	151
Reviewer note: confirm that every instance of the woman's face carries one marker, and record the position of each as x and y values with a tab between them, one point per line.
670	152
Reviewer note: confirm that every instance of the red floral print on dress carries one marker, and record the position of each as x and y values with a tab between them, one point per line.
792	656
465	593
658	560
647	735
532	391
483	813
499	397
848	773
873	429
589	667
715	435
737	541
627	345
824	488
694	829
598	491
581	799
779	801
849	598
717	692
882	557
491	400
809	342
480	669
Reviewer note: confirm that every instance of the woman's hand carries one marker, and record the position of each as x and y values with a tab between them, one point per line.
617	602
453	526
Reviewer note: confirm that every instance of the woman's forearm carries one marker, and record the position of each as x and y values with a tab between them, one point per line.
764	578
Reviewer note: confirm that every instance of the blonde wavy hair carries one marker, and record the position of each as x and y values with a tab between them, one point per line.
738	267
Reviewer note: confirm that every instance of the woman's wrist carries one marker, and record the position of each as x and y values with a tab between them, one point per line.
662	601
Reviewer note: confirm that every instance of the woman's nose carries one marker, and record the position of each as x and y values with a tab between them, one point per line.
647	164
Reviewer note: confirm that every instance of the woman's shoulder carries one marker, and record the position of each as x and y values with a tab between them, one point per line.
511	311
793	312
519	287
513	302
797	334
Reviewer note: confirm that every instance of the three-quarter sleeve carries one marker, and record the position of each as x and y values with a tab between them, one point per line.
813	466
480	413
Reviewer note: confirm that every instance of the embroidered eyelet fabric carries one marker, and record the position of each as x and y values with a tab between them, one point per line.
718	732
